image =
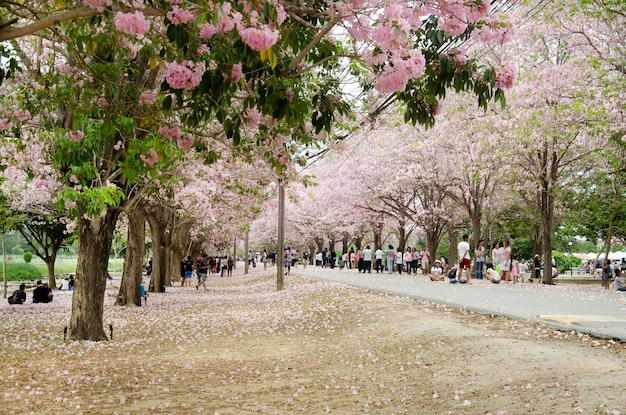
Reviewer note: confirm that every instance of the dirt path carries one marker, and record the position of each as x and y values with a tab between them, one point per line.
314	348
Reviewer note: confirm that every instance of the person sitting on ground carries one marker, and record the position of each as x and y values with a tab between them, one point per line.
40	293
493	275
619	282
72	282
18	296
436	272
49	291
65	284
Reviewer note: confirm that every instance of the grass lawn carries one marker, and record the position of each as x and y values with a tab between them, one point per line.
61	266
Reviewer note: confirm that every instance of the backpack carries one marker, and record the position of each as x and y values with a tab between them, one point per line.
13	299
452	273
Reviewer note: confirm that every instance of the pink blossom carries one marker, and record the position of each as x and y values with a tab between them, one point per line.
173	133
70	228
453	26
75	135
179	16
207	30
151	157
394	78
505	76
22	115
148	97
98	5
459	56
289	94
5	124
281	14
185	142
479	10
236	73
174	1
258	38
252	117
185	75
131	23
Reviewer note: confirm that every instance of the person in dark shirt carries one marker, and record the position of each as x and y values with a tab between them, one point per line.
40	293
18	296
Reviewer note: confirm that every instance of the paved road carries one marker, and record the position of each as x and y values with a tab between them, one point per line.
567	307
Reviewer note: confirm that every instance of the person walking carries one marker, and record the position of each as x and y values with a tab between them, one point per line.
463	249
379	260
399	260
367	260
408	260
202	269
287	259
606	274
389	259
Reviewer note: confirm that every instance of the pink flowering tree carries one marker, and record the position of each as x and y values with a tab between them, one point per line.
30	187
272	66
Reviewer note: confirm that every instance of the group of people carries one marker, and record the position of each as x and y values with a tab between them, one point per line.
41	294
203	266
617	273
504	265
411	261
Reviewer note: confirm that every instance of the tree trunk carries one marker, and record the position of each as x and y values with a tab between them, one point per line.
95	237
52	281
160	218
157	281
129	293
401	237
377	230
432	242
453	235
345	241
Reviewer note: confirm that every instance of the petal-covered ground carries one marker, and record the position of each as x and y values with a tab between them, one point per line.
316	347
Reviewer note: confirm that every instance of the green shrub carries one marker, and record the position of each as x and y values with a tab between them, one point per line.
565	262
19	272
17	250
28	256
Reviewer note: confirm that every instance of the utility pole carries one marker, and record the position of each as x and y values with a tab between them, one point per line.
280	250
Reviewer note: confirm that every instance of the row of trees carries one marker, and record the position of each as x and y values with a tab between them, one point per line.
552	160
181	113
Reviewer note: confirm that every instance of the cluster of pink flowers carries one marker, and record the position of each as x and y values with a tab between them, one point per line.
258	38
501	30
505	76
173	133
251	117
396	75
236	73
148	97
98	5
453	25
179	16
455	16
22	115
151	157
184	75
185	142
131	23
75	135
5	124
226	23
459	56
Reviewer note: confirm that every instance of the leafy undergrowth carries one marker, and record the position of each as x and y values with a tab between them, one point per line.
315	347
